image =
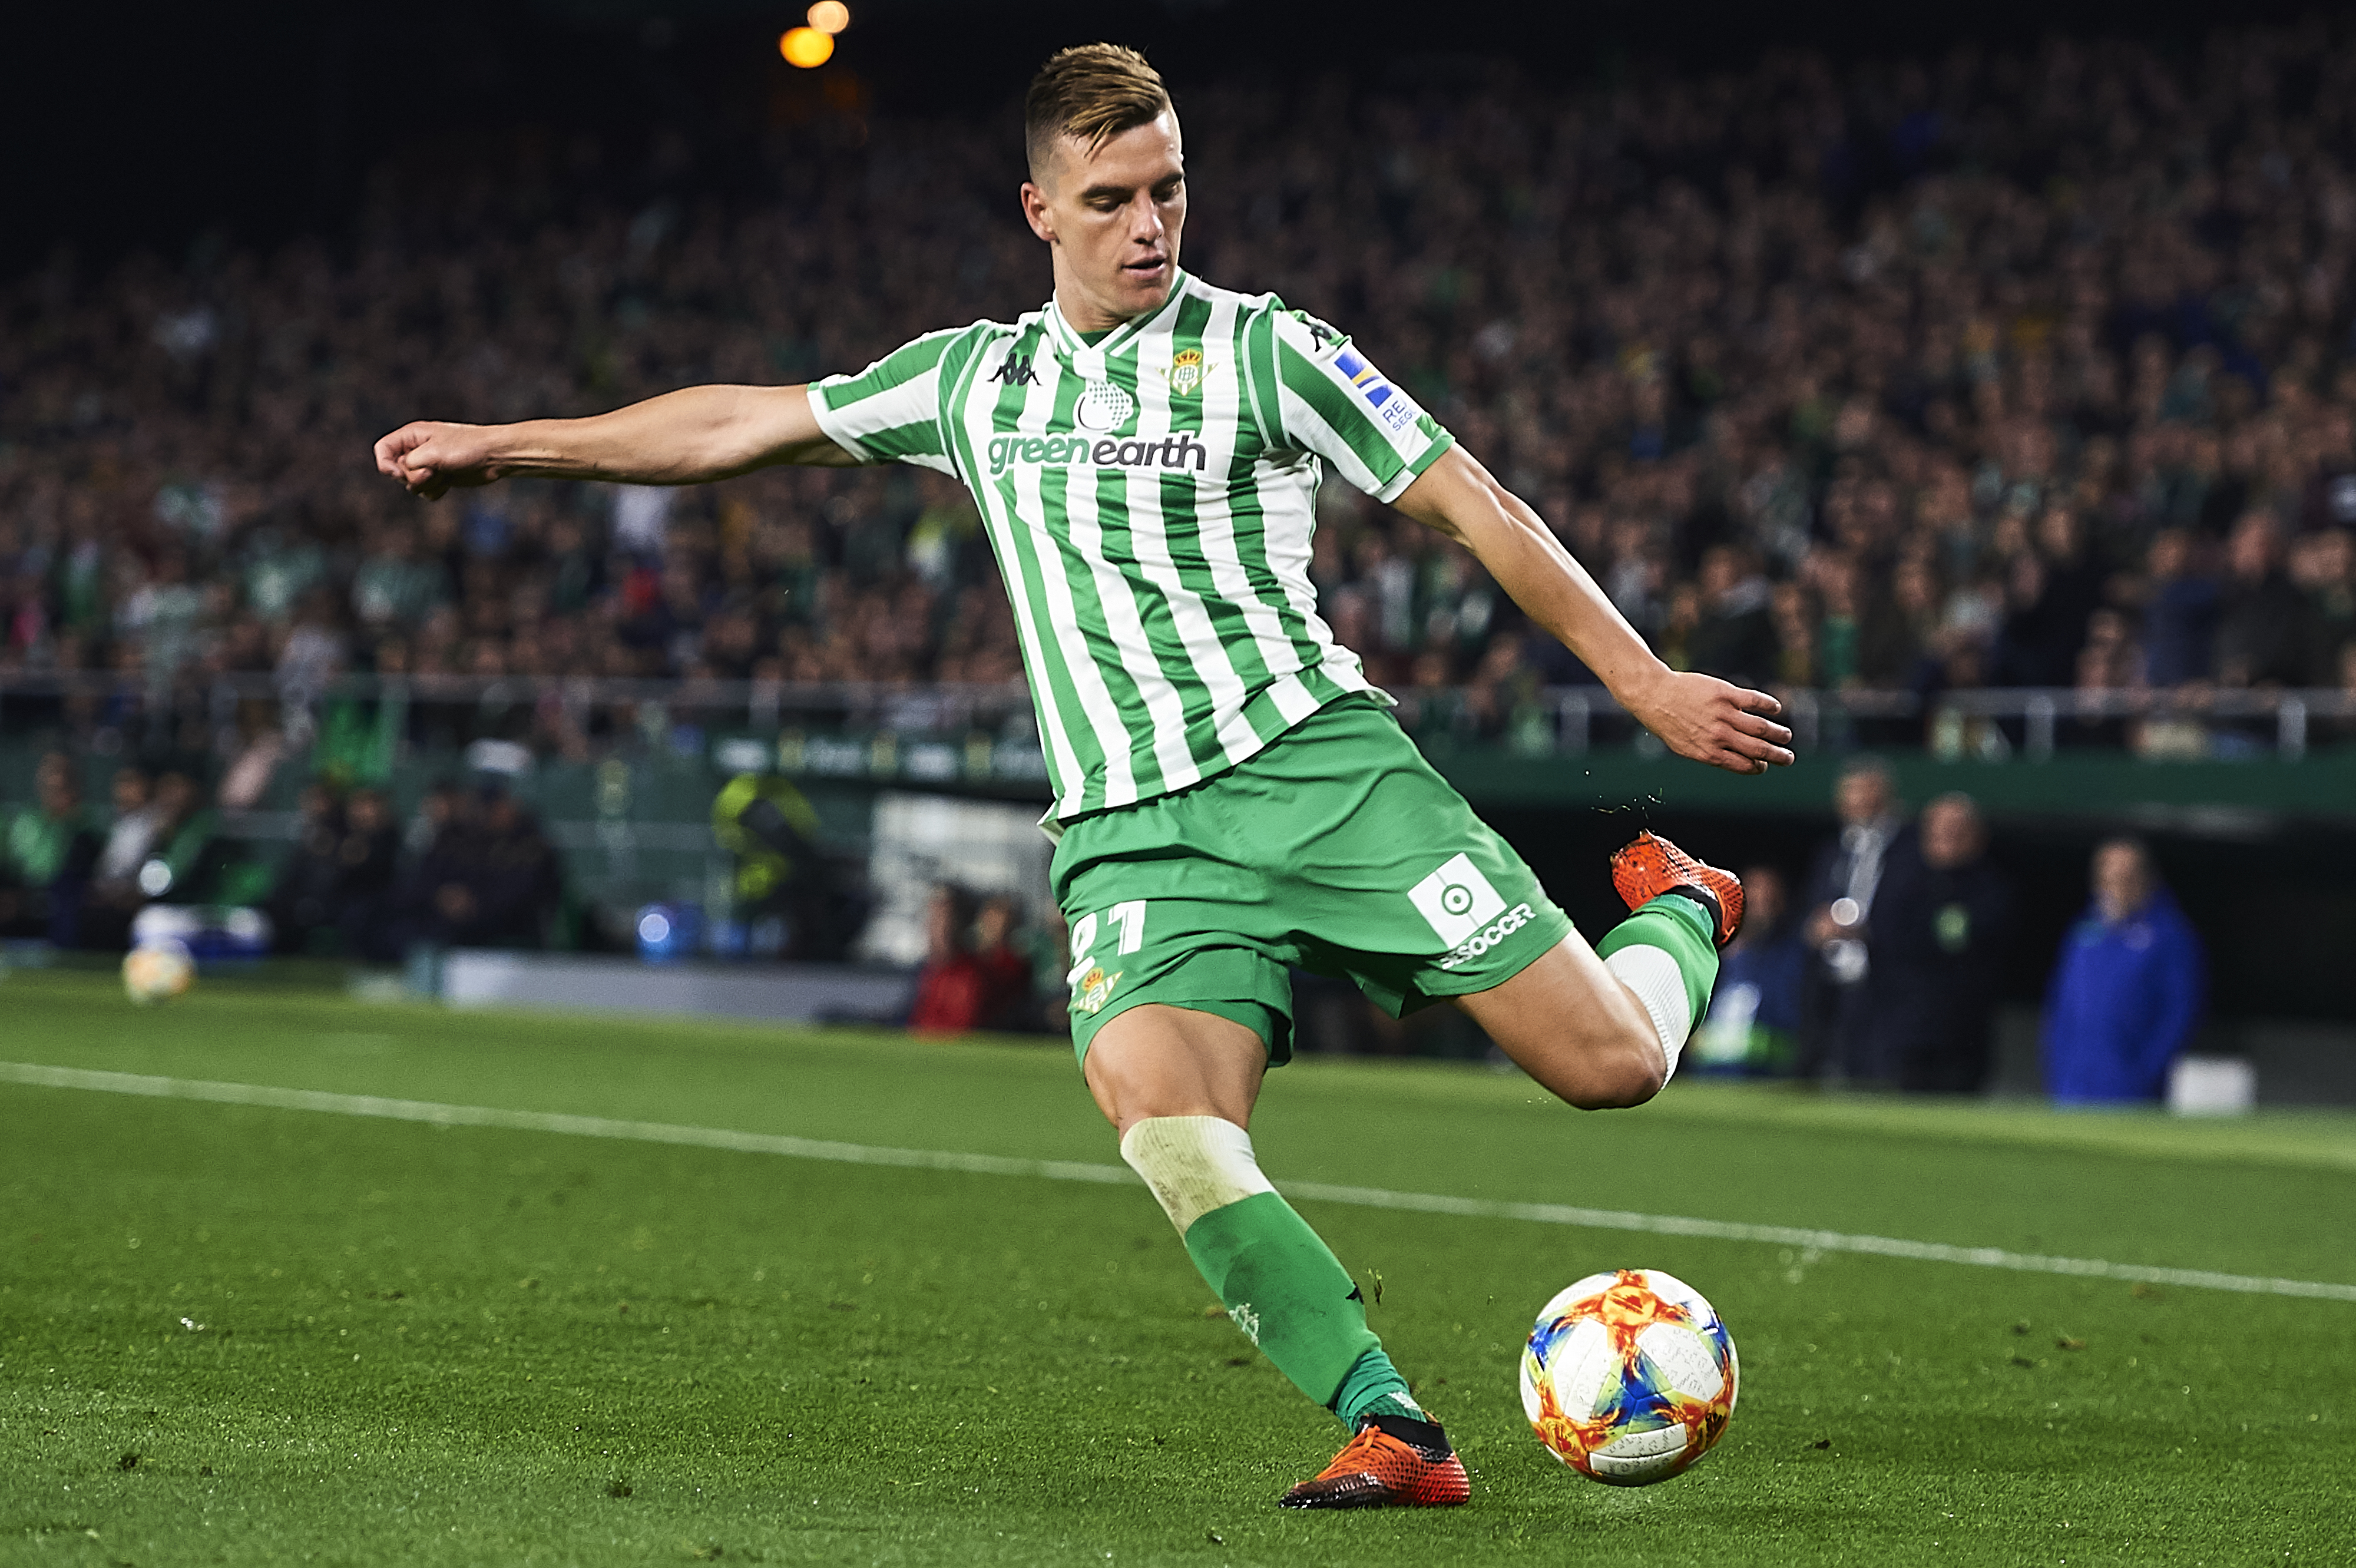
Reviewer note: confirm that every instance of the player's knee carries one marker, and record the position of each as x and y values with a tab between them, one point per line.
1621	1071
1639	1075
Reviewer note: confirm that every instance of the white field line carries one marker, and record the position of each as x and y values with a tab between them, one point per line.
437	1114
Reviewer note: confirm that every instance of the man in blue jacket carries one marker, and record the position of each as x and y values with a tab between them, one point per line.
2127	992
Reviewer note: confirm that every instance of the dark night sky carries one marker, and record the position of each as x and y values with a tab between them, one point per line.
144	123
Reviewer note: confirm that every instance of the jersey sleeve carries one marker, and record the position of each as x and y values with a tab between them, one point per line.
1317	393
891	412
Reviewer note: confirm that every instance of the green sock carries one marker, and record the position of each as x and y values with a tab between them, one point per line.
1374	1388
1663	952
1289	1293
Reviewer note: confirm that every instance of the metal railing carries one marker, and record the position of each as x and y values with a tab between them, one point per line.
2038	715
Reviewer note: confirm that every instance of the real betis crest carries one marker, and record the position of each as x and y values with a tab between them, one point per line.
1092	989
1187	370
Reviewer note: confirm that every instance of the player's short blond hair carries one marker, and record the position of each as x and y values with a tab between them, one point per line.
1092	93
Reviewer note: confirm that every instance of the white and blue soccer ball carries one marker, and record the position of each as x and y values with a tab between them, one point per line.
158	971
1629	1376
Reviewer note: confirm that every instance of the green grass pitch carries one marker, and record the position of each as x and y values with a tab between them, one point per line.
237	1335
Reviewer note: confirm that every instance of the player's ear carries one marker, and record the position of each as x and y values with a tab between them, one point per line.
1034	211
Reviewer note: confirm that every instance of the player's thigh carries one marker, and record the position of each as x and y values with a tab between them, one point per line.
1160	1060
1181	995
1568	1022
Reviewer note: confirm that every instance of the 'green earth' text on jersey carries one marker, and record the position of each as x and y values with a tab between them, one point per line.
1150	499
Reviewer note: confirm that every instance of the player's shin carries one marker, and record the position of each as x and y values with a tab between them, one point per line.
1281	1284
1663	952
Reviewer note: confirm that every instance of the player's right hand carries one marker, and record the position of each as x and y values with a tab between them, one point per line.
431	456
1713	721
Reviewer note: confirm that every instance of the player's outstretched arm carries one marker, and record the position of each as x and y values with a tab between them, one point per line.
1699	716
684	437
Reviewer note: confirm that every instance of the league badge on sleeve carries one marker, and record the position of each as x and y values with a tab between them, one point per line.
1393	407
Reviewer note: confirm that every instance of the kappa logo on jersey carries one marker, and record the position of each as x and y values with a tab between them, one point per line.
1188	371
1392	406
1014	371
1179	450
1456	899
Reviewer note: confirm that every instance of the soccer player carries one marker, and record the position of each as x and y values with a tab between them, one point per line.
1232	796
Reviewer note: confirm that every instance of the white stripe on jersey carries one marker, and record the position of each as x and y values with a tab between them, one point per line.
1063	616
1023	574
1149	534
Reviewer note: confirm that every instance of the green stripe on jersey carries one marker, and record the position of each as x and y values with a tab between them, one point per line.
1150	499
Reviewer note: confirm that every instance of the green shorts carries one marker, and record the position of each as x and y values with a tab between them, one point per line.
1336	848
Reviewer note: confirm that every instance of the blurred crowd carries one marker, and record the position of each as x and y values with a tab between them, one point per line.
1988	370
472	868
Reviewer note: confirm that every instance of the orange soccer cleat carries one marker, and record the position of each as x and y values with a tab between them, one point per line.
1392	1463
1650	866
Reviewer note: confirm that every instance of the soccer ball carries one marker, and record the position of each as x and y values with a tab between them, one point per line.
1629	1376
158	971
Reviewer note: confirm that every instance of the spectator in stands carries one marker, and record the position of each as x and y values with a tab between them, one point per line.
155	839
2180	618
183	866
1754	1022
360	881
489	878
2127	989
47	855
2264	635
1005	966
138	818
2323	564
1839	896
1734	636
953	988
303	905
2344	729
1939	923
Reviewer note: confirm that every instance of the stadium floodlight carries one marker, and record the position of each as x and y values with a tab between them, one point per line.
830	16
806	47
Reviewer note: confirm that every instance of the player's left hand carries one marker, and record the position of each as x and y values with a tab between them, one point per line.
1714	721
431	456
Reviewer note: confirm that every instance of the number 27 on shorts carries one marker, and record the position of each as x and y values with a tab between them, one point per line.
1091	984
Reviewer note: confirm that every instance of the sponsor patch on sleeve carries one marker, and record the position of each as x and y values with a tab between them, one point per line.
1394	408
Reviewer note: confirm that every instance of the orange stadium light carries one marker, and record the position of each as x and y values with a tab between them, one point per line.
830	16
806	47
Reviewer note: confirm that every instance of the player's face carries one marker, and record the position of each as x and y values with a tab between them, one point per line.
1113	217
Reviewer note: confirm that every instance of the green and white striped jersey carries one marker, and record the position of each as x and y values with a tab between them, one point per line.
1151	499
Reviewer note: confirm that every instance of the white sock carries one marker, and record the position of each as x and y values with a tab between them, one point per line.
1660	985
1194	1164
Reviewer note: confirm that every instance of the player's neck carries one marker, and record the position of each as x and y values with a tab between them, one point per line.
1087	316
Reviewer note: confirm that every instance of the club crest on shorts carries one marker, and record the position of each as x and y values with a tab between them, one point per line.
1091	990
1456	900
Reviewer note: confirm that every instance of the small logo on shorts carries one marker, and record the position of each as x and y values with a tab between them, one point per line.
1456	900
1091	990
1480	942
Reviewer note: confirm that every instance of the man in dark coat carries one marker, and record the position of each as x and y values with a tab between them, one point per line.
1941	920
1836	901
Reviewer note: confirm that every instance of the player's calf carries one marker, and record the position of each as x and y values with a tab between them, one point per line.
1569	1022
1602	1028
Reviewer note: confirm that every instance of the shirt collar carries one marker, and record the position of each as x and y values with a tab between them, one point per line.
1090	358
